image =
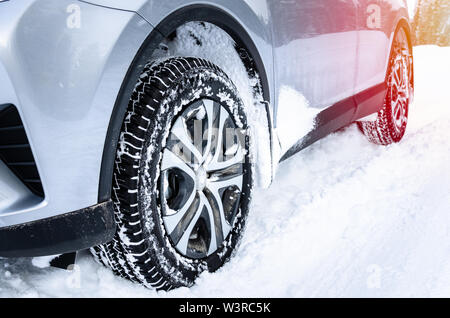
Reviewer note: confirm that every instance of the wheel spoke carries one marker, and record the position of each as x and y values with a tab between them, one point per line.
215	200
400	74
397	80
216	166
404	120
216	149
182	140
215	225
230	181
182	231
404	113
394	89
171	160
173	220
211	115
397	111
232	177
402	99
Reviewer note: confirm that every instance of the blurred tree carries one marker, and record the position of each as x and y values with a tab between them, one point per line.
432	22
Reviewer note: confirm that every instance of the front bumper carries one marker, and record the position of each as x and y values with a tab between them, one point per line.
64	81
65	233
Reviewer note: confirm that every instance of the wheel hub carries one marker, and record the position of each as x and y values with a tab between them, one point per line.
201	178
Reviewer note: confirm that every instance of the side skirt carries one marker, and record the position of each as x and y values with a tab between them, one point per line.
340	115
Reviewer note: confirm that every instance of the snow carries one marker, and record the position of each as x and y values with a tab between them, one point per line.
42	262
411	7
302	117
343	218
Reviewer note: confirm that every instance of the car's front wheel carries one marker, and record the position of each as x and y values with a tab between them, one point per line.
182	176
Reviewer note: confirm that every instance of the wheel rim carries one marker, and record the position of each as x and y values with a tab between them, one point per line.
201	179
400	83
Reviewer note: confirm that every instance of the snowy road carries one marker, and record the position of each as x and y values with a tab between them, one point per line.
343	218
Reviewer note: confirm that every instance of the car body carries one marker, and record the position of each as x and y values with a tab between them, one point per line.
67	69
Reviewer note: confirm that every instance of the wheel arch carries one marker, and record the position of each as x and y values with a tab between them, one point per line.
245	47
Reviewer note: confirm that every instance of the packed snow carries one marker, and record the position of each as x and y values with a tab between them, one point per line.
411	7
343	218
302	117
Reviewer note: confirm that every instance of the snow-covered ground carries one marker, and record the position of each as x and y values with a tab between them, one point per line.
343	218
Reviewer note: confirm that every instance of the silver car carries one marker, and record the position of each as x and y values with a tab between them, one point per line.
139	128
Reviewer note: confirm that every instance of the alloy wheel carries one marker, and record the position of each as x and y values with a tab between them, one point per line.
201	178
